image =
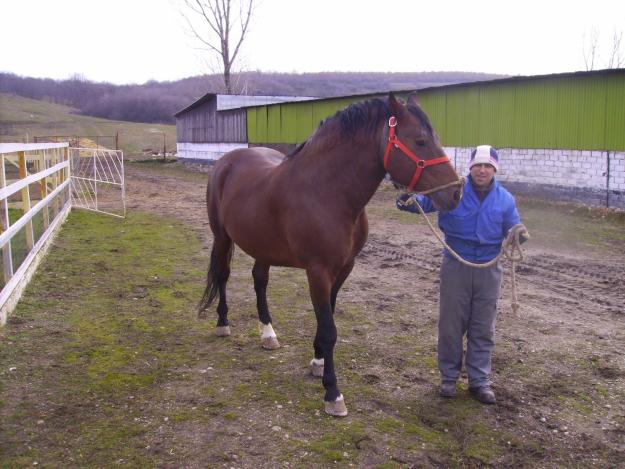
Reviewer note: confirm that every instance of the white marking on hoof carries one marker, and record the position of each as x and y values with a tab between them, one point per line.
316	367
222	331
271	343
336	408
268	337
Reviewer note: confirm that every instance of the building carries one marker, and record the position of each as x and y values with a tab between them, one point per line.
216	124
560	135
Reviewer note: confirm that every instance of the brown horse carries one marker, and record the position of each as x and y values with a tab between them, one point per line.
307	210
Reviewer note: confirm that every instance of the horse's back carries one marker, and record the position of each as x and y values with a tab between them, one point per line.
253	158
245	163
238	176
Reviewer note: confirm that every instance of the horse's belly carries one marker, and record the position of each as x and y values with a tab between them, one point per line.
265	246
257	227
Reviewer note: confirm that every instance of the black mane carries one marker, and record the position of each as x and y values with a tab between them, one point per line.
422	116
363	116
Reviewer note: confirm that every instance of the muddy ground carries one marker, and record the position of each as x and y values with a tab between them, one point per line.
559	368
573	313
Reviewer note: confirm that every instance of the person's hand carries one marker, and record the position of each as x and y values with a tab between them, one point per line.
404	201
524	235
520	231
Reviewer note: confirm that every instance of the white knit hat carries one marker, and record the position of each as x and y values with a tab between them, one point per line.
484	154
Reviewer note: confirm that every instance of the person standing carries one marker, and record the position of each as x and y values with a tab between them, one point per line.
475	230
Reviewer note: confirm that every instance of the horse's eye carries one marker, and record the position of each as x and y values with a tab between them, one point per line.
421	142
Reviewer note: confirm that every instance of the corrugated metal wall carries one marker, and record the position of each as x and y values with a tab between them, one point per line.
291	123
580	112
204	125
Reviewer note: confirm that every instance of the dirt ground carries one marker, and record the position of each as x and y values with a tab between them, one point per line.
559	370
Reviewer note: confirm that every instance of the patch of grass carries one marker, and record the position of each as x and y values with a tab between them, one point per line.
456	430
105	441
576	227
30	117
480	444
580	404
429	361
602	390
388	465
111	325
390	424
182	415
332	446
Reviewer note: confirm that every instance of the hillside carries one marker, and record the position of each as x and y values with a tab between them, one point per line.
159	101
23	119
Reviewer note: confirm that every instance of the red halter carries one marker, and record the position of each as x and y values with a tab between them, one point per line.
393	141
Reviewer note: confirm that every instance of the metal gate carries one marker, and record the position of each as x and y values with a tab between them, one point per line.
97	180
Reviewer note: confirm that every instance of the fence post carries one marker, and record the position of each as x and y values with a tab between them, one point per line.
43	189
26	201
607	180
7	259
65	173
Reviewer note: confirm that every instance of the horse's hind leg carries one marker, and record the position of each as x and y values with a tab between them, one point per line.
260	272
225	250
218	274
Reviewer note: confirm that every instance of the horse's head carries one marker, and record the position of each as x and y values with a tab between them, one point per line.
414	157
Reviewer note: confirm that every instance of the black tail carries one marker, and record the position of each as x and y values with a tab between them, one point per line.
215	278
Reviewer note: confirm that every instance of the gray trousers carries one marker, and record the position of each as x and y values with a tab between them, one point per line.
468	305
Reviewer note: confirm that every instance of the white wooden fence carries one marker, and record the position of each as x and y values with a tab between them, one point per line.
34	202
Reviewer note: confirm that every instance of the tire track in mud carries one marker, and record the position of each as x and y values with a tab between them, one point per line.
598	284
389	254
597	287
168	195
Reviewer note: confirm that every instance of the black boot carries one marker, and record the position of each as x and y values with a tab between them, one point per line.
484	394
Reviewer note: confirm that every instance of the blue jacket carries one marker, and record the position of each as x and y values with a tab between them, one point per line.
474	229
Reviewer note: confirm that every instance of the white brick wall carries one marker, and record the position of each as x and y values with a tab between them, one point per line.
617	171
566	168
205	151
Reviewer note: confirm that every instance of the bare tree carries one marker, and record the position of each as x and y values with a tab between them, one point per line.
617	58
590	49
220	29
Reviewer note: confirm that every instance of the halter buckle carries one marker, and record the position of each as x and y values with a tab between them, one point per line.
392	121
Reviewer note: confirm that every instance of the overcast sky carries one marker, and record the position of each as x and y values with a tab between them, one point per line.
132	41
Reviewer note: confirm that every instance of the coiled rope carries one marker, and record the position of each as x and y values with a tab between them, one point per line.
510	249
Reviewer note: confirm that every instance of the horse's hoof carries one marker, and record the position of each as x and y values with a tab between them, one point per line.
336	408
222	331
270	343
316	367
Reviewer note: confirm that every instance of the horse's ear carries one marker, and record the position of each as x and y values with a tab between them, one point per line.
396	106
412	99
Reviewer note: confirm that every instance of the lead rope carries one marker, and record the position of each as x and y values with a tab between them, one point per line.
510	248
460	182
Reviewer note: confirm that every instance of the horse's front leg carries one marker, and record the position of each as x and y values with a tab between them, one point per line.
316	364
260	272
320	284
